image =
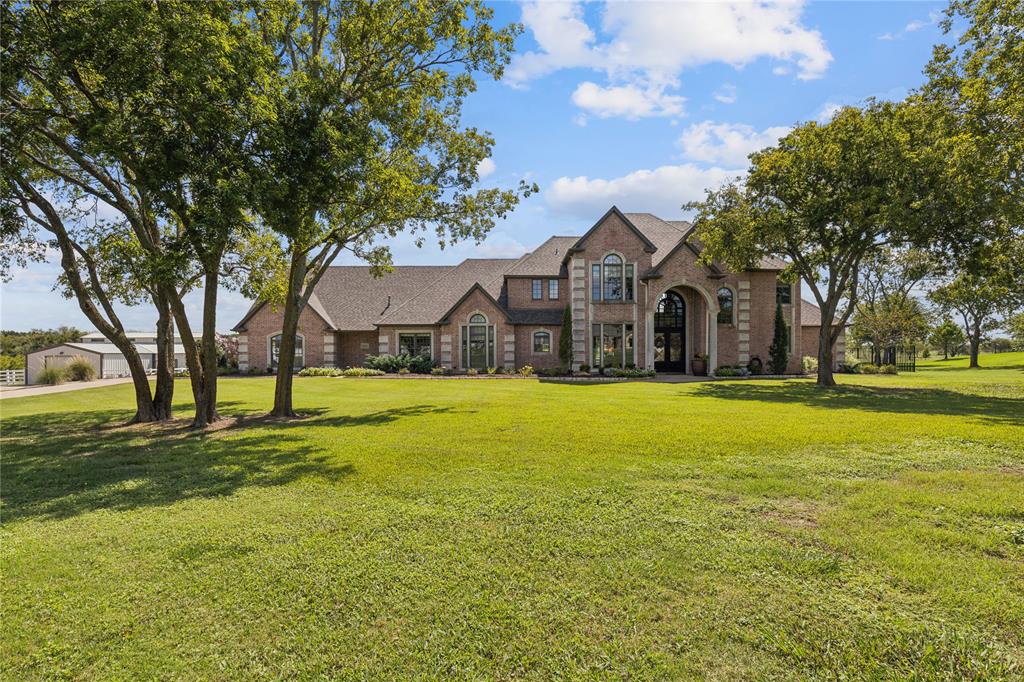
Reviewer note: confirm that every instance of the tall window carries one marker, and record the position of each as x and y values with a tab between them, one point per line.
784	294
275	351
538	289
553	289
629	282
595	282
414	344
478	343
725	305
613	345
541	342
612	278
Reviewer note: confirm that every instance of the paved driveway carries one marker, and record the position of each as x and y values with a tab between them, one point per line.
24	391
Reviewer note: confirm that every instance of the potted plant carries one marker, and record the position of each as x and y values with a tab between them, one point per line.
700	364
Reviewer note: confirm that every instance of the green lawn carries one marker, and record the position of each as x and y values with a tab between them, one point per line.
497	529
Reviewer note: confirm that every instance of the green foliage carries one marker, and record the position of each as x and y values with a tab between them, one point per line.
361	372
22	343
888	369
947	336
404	370
633	373
492	370
438	371
867	368
565	338
526	370
12	362
472	372
726	371
80	369
52	376
779	350
418	364
1015	325
320	372
809	364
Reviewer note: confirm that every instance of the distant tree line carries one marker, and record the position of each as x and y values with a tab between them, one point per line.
15	345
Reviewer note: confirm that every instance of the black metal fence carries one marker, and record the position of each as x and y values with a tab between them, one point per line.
905	359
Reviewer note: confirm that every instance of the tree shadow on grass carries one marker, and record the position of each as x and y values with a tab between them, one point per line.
930	401
59	465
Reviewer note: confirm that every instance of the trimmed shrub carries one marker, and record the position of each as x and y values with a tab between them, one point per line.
492	370
319	372
846	368
633	373
585	368
52	376
888	369
551	372
726	372
472	372
810	364
404	370
867	368
79	369
526	370
500	369
439	371
420	364
361	372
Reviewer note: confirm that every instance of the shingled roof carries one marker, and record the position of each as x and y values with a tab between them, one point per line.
430	304
547	260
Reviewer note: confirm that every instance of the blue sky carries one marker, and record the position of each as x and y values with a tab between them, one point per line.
641	105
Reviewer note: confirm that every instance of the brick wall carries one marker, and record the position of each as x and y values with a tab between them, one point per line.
505	347
254	344
524	346
809	336
351	348
520	293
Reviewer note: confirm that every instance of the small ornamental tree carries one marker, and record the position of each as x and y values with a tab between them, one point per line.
946	336
565	339
779	350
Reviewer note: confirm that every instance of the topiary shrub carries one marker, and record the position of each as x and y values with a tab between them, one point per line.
80	369
52	376
779	350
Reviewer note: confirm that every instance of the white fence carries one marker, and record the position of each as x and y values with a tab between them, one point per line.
12	376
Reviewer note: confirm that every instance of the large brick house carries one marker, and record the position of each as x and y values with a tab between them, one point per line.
637	293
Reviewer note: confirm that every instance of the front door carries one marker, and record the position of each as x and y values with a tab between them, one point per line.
670	334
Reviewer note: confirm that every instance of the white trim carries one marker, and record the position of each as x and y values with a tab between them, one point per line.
551	342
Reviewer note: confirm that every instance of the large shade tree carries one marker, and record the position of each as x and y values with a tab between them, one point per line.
365	139
145	108
826	198
887	312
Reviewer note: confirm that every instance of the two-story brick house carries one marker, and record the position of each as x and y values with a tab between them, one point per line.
637	293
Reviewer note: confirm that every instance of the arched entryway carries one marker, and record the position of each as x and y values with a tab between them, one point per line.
670	333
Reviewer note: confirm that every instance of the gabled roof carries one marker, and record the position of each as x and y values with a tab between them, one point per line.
350	298
472	289
664	234
648	244
547	260
810	314
433	302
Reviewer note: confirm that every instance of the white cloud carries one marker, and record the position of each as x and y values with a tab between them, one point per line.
827	111
726	143
650	44
915	25
661	191
485	168
726	94
628	101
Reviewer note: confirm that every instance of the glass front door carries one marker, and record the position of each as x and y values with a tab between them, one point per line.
670	334
478	346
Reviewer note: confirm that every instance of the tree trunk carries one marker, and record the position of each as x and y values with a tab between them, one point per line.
192	358
975	340
209	346
289	328
825	377
164	394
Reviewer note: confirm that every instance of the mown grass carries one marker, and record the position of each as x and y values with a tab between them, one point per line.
516	529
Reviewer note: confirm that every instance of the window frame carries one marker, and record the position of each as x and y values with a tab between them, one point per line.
599	279
430	340
300	350
732	304
537	290
490	344
779	286
552	289
627	334
537	333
